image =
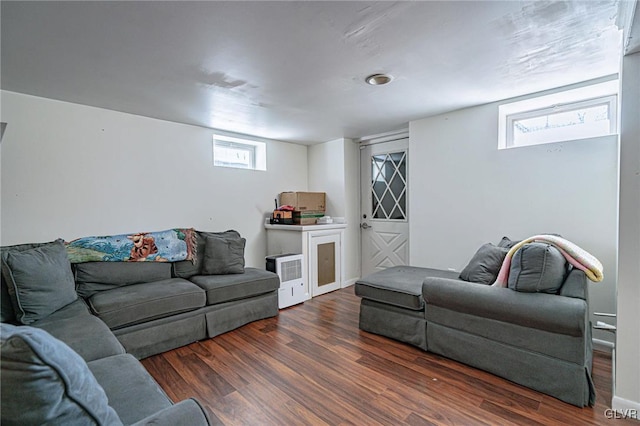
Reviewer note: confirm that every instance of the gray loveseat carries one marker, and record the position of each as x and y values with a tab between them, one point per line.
535	333
110	314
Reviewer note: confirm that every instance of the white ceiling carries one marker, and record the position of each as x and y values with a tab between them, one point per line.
294	71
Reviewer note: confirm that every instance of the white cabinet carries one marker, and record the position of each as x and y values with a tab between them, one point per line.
321	247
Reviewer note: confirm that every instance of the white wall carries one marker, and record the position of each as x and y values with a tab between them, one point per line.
326	174
333	168
464	192
627	392
70	170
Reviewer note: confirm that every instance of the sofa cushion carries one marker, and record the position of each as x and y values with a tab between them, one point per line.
132	391
84	333
45	382
187	269
136	303
7	314
537	267
225	288
575	285
484	266
506	242
92	277
39	280
223	256
399	285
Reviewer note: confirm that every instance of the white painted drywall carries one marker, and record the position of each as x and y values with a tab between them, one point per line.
627	388
465	192
70	171
332	170
326	174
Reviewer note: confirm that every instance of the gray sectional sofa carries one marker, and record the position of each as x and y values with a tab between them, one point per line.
86	325
154	307
536	332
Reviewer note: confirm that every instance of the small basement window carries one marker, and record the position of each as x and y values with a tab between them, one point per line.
582	113
239	153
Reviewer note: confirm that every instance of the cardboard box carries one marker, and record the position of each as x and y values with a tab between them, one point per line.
307	217
304	201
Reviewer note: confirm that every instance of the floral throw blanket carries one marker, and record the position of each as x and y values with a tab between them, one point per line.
164	246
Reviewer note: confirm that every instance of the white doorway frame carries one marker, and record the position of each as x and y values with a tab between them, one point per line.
366	142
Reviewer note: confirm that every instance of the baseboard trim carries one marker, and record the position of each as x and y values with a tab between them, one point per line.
625	409
602	345
349	283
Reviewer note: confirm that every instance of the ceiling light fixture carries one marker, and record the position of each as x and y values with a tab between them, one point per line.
378	79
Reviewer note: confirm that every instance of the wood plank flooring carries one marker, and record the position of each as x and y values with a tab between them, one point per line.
312	365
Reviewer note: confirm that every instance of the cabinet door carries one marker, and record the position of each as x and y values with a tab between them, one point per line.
324	263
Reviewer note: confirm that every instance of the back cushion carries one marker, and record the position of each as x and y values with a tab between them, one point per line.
537	267
187	269
223	256
7	313
92	277
507	243
484	266
39	281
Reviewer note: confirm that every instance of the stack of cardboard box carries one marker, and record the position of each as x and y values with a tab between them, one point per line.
307	206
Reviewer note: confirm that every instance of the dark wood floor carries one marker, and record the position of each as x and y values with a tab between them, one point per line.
312	365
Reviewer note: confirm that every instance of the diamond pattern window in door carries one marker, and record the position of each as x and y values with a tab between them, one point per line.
389	185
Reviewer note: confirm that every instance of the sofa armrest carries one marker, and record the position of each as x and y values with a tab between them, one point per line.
549	312
187	412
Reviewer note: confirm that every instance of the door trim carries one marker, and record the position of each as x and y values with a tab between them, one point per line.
383	137
398	143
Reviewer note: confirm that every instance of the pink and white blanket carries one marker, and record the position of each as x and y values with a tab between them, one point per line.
575	255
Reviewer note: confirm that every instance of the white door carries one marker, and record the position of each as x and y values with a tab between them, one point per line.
384	205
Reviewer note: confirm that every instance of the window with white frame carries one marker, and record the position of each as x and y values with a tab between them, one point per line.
585	112
239	153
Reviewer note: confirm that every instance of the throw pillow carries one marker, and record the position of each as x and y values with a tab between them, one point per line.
537	267
39	280
484	265
506	242
223	256
186	268
46	382
7	313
